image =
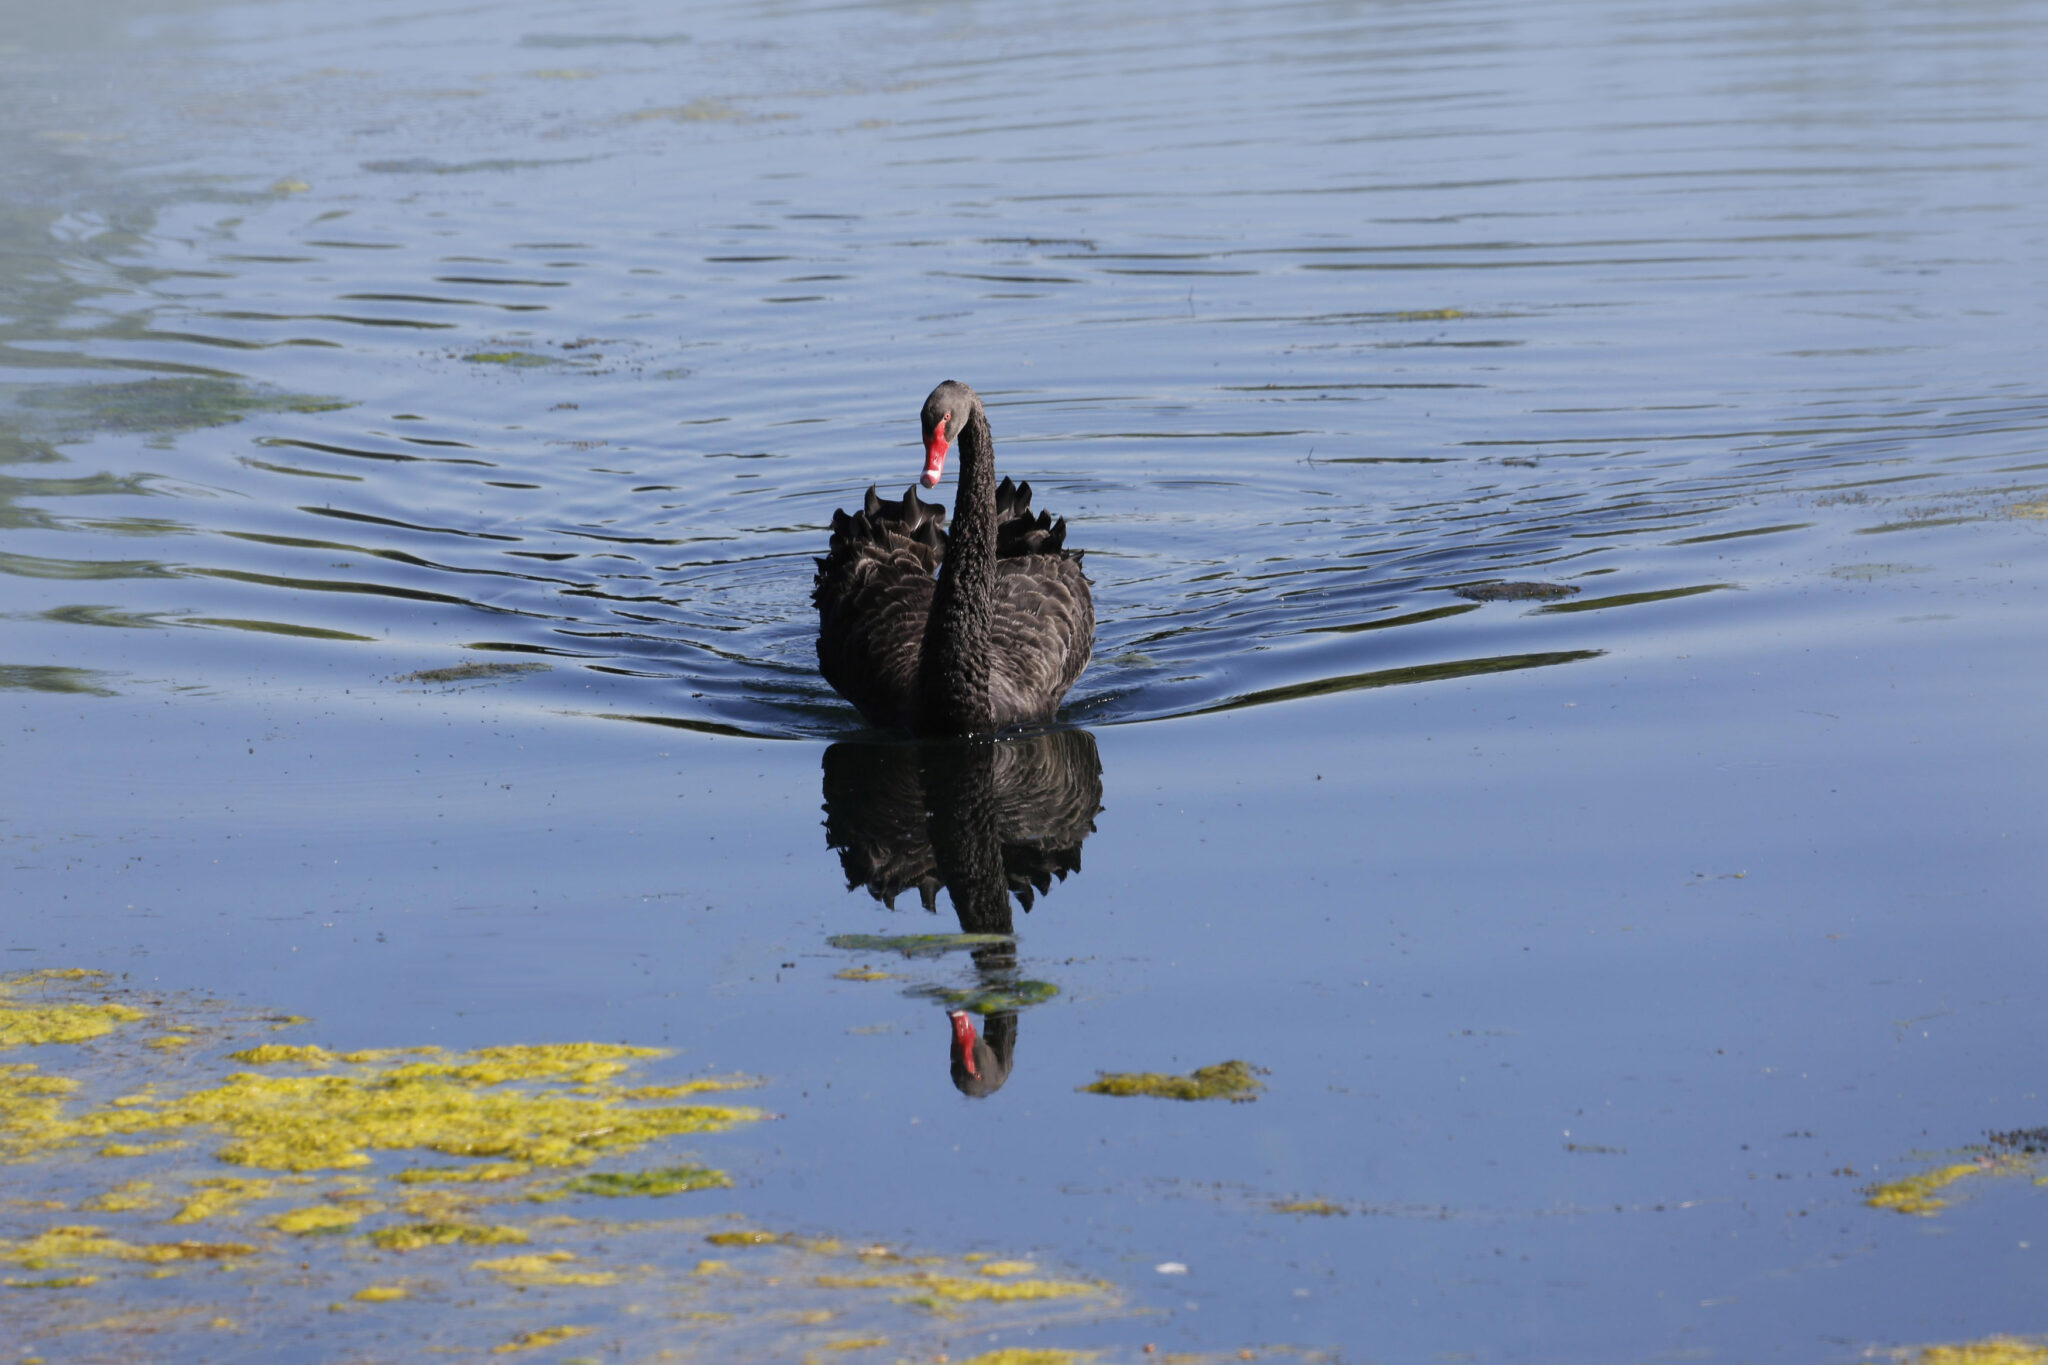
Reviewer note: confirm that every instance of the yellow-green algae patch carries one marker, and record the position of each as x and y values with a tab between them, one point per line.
170	1042
927	1287
545	1268
667	1180
1234	1081
413	1236
36	1025
862	974
915	945
486	1172
318	1218
67	1245
1321	1208
1031	1355
127	1197
544	1336
494	1102
776	1296
1920	1194
1989	1351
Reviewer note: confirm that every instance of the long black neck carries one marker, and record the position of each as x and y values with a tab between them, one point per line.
956	673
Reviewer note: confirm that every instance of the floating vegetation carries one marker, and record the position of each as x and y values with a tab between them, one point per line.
1234	1081
1989	1351
1004	998
337	1210
470	672
929	1289
38	1025
547	1268
862	974
1320	1208
545	1336
1920	1194
466	1104
668	1180
514	359
916	945
413	1236
1515	592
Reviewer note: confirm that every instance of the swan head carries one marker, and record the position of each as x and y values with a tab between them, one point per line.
945	416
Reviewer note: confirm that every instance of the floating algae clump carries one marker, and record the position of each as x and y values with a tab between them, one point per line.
931	1290
1990	1351
545	1336
544	1269
998	999
915	945
413	1236
33	1025
668	1180
1234	1081
482	1173
380	1293
1918	1194
1321	1208
318	1218
468	1104
1025	1355
63	1246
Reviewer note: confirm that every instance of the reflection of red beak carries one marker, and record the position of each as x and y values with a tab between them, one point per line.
935	455
964	1040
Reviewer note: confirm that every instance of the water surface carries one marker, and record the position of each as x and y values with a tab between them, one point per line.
394	403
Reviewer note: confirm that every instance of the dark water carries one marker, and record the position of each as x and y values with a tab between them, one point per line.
1602	948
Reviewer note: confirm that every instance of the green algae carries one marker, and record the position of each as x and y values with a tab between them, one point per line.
1031	1355
916	945
513	359
436	1214
413	1236
1006	998
318	1218
487	1172
40	1025
1989	1351
667	1180
1920	1194
1234	1081
470	1104
1320	1208
129	1196
67	1245
862	974
543	1336
930	1289
545	1268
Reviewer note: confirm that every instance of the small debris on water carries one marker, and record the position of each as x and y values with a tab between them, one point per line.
1514	592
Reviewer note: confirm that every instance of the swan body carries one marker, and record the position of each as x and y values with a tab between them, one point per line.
967	631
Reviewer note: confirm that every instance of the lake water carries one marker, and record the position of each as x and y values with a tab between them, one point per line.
416	424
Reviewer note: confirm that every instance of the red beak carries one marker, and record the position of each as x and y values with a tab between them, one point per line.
935	455
963	1030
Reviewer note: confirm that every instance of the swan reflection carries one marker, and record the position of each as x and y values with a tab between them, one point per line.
984	821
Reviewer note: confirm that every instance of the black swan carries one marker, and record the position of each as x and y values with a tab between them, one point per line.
996	639
983	821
